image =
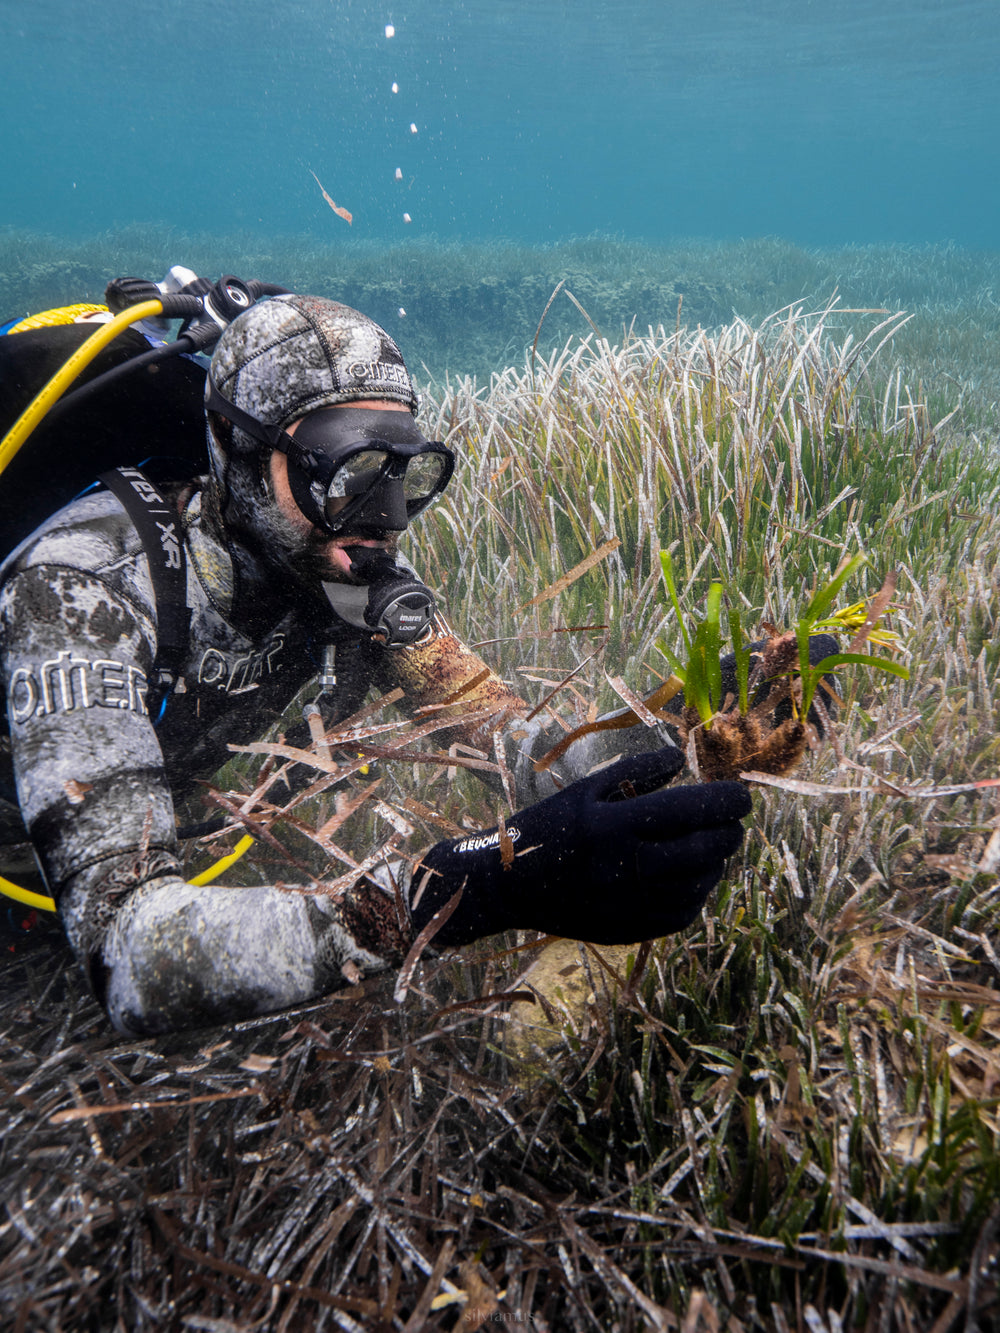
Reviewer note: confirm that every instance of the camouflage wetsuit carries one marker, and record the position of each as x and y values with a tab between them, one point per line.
96	773
97	762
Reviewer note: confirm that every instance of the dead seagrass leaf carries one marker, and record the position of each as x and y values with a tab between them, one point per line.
258	1064
340	212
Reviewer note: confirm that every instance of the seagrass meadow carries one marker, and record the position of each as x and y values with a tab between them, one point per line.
784	1118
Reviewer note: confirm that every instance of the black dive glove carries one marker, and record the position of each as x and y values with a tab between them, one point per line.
610	859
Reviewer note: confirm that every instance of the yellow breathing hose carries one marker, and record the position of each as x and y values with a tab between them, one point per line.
223	863
12	441
43	904
25	896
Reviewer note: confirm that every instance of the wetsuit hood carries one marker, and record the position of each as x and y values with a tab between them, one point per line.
281	360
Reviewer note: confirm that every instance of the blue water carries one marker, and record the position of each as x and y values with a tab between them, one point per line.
846	121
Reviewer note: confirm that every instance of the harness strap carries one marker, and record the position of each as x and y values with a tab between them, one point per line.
159	529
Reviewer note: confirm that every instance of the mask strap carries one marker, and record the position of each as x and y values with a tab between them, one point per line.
270	435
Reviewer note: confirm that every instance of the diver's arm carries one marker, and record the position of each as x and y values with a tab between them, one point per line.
443	666
443	674
161	954
87	762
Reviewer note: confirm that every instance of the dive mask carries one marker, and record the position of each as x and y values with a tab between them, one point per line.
352	467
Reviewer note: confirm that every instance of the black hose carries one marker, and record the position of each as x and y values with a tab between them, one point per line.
195	337
73	400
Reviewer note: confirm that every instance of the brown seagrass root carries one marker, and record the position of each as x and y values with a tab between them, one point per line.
737	742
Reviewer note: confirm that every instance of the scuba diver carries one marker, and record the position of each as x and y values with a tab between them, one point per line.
152	622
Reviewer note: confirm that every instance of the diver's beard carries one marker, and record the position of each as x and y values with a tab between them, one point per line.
267	547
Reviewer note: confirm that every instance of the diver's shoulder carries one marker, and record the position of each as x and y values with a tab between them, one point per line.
92	534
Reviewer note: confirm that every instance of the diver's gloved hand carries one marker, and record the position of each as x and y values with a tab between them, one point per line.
610	859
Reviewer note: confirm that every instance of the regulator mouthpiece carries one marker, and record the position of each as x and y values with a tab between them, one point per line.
400	607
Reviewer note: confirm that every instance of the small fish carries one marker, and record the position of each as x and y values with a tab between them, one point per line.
340	212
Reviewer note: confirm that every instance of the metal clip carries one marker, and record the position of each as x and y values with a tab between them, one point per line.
328	671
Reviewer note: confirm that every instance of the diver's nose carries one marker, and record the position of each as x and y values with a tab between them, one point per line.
384	508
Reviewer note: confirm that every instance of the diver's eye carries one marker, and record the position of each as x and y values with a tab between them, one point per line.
357	474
